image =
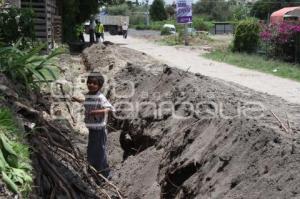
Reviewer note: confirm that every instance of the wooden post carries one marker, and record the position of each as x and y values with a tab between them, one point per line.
297	48
186	42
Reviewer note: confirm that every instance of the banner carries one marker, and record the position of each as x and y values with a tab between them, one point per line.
184	11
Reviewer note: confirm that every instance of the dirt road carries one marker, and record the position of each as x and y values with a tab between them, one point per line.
185	58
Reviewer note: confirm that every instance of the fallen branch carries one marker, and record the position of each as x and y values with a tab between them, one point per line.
281	124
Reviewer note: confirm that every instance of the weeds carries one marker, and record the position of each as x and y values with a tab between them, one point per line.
257	62
15	164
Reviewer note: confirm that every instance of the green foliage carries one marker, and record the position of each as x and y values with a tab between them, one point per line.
122	9
16	23
215	10
76	12
157	11
200	24
15	166
240	12
257	62
171	11
26	66
246	37
165	31
137	19
262	9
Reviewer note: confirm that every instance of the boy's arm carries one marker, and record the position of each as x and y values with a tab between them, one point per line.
75	99
100	111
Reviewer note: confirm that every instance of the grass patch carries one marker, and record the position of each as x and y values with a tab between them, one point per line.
15	164
257	62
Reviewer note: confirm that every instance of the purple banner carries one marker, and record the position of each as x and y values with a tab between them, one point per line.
184	11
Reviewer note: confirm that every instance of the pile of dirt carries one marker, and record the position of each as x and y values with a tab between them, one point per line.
185	135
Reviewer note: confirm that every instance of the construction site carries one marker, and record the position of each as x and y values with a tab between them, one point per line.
175	124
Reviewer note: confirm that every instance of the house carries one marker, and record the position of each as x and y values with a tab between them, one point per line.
47	22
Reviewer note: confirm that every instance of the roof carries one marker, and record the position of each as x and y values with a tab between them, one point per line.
278	15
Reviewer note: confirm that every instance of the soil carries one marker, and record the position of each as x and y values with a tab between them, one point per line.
237	143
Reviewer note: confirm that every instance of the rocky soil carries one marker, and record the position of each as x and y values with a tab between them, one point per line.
234	143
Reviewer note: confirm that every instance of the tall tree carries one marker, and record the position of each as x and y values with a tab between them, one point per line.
76	12
263	9
215	10
157	10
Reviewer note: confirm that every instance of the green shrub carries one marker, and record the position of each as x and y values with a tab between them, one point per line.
16	23
15	165
165	31
200	24
142	27
27	67
137	19
246	37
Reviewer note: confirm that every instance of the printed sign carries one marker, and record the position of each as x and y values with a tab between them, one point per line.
184	11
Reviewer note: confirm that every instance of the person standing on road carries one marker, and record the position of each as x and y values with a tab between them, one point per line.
92	31
99	31
125	30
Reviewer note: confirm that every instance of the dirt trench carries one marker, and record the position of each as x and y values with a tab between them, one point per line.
234	143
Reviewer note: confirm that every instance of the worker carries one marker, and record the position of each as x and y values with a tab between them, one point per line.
92	31
124	30
99	31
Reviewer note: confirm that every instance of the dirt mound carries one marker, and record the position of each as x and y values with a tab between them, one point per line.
185	135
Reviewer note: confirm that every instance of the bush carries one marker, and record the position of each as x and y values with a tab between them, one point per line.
246	37
27	67
200	24
15	169
137	19
142	27
165	31
280	40
16	23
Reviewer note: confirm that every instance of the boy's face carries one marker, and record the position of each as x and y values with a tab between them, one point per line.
93	86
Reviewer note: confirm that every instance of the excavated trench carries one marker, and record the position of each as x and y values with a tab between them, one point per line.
184	135
175	134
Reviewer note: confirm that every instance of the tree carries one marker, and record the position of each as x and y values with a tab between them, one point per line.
76	12
157	10
263	9
215	10
170	11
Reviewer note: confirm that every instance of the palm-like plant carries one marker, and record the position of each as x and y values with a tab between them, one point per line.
27	66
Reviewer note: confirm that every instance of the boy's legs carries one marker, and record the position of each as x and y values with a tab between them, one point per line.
102	35
96	151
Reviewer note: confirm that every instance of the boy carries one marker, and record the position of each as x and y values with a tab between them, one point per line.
97	108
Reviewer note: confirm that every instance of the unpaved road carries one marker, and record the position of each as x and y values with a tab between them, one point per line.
186	57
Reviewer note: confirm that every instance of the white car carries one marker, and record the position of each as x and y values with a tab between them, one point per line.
171	27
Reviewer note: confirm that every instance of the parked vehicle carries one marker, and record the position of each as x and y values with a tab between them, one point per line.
170	27
113	24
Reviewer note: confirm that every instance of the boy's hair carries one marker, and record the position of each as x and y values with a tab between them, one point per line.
96	77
